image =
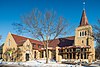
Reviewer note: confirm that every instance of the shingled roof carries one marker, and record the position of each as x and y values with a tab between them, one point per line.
84	20
62	42
20	39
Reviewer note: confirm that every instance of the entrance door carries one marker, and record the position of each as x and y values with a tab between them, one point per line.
35	54
27	57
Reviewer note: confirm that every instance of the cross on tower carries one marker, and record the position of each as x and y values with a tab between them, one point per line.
83	4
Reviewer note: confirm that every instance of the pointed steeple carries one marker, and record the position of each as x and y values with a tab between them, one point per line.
84	20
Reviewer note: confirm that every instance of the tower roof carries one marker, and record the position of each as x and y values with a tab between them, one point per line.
84	20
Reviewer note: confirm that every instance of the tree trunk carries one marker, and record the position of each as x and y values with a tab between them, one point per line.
47	49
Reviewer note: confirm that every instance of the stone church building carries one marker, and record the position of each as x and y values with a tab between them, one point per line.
80	46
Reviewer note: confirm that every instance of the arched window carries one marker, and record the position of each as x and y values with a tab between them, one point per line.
82	33
85	33
82	41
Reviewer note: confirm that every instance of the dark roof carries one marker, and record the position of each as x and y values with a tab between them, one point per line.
62	42
84	20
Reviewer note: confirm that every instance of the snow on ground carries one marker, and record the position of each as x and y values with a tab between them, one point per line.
40	63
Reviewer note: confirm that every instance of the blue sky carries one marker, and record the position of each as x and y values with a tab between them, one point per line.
11	10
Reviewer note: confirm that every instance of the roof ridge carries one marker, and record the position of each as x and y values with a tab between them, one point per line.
66	41
67	37
22	36
62	37
20	39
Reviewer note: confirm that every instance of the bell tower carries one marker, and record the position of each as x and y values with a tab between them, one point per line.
83	34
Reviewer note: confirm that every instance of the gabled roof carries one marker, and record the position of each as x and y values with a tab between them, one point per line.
20	39
61	42
84	20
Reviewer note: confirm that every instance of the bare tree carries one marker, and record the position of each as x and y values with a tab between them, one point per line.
97	31
97	38
97	51
43	27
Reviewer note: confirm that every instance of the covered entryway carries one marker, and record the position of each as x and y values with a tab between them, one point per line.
27	57
53	54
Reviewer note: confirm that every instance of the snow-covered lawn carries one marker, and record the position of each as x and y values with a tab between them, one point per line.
40	63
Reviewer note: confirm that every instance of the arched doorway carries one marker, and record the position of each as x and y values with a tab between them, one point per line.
35	54
27	56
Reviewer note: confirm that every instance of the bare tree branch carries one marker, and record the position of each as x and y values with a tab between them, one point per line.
97	31
96	28
41	26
